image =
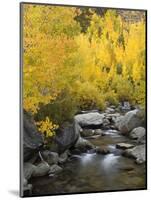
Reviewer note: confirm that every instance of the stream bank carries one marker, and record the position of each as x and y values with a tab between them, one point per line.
106	152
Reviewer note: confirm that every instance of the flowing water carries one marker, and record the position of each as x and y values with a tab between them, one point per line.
91	172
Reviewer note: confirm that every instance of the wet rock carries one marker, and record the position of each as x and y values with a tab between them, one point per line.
87	132
110	110
129	121
137	152
67	135
102	150
112	127
90	119
41	169
75	152
55	169
64	156
32	138
138	134
91	151
124	146
83	145
139	161
50	157
113	117
28	170
106	122
99	132
141	140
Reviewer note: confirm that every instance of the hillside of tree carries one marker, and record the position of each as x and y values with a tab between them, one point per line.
80	59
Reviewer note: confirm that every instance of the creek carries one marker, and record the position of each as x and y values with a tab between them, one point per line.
91	172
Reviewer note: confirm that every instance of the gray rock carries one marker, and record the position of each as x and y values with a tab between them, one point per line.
129	121
124	146
90	119
102	150
139	161
50	157
41	169
99	132
113	117
87	132
137	152
32	138
67	135
138	133
83	145
64	156
106	122
28	170
110	110
75	152
54	169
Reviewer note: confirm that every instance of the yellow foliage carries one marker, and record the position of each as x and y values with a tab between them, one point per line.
80	70
47	127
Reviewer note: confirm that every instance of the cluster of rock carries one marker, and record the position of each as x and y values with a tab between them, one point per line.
39	161
131	125
71	138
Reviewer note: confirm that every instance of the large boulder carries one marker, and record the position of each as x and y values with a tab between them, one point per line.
90	119
66	136
28	170
138	152
129	121
83	145
41	169
138	134
55	169
31	170
32	138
